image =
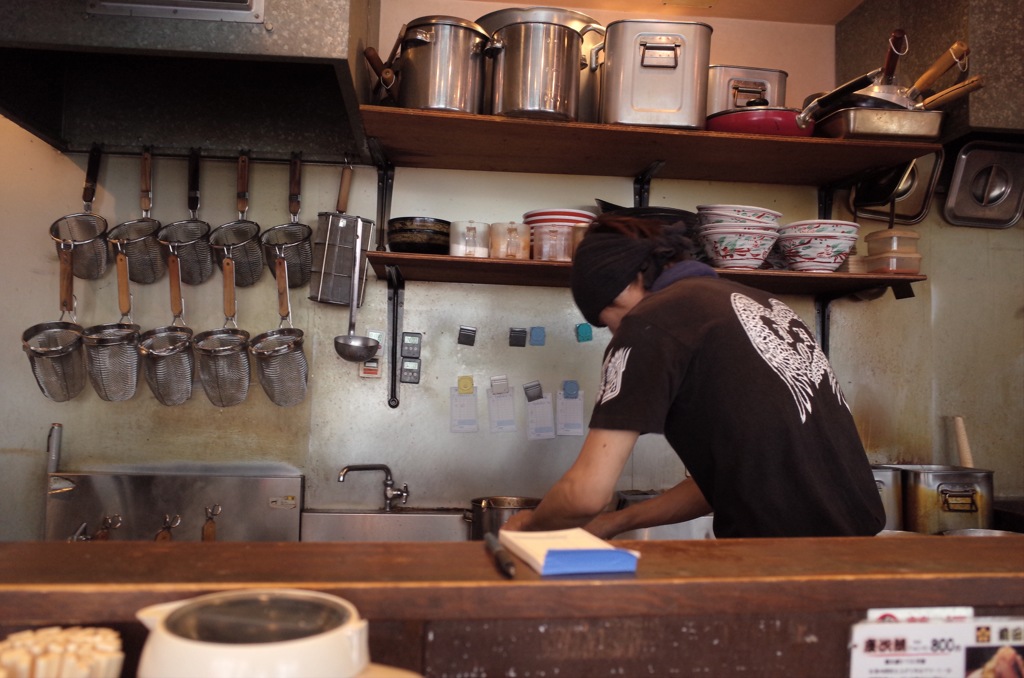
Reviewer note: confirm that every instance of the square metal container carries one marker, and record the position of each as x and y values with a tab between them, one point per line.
881	123
733	86
655	73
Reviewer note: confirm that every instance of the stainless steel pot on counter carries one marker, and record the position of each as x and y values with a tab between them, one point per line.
441	66
490	513
889	481
538	61
938	498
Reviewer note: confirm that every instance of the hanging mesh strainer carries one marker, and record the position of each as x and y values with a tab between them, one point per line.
111	350
240	239
292	241
240	242
280	361
223	354
137	238
166	352
189	239
85	233
54	349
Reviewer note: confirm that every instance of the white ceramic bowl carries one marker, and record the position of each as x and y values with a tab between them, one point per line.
558	214
812	226
737	247
745	211
815	253
738	225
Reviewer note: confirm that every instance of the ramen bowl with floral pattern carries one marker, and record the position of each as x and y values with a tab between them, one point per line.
729	246
815	253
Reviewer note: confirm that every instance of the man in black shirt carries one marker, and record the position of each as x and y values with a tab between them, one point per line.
734	381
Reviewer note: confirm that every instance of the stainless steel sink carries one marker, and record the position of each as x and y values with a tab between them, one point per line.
402	524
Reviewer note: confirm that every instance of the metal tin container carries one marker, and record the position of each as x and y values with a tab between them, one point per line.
488	514
889	480
590	30
937	499
442	65
655	73
733	86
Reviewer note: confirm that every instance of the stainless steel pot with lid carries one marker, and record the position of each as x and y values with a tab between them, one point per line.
539	68
442	64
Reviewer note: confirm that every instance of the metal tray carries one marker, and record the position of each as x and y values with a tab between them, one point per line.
880	123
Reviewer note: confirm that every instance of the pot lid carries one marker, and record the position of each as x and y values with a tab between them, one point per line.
495	21
444	20
753	111
260	616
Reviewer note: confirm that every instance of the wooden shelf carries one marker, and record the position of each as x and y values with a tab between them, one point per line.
435	268
459	141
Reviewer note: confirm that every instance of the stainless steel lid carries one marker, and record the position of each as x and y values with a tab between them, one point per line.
495	21
444	20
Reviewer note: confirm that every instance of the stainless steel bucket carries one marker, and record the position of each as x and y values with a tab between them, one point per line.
889	481
937	498
490	513
442	65
536	71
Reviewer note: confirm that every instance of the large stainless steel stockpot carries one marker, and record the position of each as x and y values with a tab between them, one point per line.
538	61
442	65
889	481
490	513
941	498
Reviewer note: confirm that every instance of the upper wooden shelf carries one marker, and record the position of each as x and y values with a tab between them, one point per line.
459	141
556	274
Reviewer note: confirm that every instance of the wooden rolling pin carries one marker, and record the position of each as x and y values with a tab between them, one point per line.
963	447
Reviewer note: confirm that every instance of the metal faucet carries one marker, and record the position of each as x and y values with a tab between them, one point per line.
389	484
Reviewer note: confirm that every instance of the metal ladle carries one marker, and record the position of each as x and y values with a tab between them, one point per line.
351	347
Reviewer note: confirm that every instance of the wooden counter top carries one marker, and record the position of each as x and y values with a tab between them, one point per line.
437	587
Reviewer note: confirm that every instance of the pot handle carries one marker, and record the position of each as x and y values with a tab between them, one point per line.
594	52
152	615
493	47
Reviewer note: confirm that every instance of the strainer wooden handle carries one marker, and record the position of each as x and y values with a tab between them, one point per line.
174	274
146	182
124	294
229	289
295	185
284	307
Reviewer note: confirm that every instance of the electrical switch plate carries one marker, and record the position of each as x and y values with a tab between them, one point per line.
536	336
584	332
411	344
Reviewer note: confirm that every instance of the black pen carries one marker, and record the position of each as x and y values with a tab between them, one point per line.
501	556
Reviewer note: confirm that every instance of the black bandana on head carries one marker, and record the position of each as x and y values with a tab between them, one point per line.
603	266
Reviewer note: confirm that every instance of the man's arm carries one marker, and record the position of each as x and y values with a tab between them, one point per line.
586	488
680	503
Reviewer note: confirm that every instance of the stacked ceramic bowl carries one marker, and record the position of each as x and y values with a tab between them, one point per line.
553	231
816	245
737	236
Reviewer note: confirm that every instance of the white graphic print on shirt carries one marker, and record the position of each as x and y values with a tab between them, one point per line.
782	340
611	378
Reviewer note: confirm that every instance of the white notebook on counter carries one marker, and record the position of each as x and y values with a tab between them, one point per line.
571	551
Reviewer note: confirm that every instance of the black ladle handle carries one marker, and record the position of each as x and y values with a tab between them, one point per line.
396	284
807	115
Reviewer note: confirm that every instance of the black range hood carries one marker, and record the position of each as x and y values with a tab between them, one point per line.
290	79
